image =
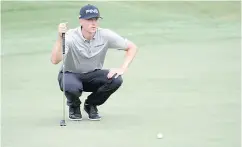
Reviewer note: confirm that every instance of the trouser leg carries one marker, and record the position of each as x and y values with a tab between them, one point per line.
100	86
73	88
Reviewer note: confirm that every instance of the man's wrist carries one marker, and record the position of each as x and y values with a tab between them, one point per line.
124	68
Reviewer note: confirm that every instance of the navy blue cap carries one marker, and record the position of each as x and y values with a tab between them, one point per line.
89	11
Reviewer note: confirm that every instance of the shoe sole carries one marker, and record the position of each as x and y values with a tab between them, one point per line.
75	119
94	119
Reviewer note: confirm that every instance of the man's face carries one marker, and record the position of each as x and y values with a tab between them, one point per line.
89	25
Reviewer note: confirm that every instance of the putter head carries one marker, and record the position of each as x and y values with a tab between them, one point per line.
62	123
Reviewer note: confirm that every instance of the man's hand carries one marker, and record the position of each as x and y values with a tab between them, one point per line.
117	71
56	54
62	28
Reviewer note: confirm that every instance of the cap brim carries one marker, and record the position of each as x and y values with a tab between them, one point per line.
91	16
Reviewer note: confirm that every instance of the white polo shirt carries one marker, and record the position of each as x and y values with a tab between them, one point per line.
82	56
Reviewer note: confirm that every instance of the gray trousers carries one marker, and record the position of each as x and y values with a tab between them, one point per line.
95	82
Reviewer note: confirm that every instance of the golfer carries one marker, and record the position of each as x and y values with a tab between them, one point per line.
85	50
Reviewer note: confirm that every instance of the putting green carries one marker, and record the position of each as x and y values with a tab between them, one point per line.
184	82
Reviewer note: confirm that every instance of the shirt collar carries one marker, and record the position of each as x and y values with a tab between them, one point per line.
94	37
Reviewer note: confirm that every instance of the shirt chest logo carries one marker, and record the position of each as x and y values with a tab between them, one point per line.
99	45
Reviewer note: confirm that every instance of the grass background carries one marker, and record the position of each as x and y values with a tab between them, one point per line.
184	82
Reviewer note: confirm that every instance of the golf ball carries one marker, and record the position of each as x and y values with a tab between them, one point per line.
159	135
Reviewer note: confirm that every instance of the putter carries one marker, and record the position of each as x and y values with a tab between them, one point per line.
63	121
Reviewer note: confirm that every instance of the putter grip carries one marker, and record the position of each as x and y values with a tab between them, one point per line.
63	43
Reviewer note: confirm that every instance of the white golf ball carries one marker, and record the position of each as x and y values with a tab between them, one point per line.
159	135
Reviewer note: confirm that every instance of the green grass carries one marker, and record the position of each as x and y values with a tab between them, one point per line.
184	82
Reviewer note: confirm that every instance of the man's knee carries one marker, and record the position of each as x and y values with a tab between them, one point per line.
73	87
71	83
117	82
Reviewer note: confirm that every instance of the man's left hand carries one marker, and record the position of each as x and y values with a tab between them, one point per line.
117	72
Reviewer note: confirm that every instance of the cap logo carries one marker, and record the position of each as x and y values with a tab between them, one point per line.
92	11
